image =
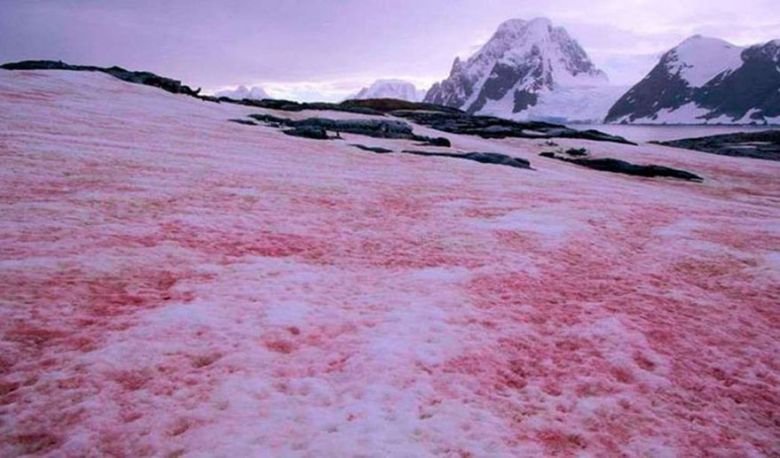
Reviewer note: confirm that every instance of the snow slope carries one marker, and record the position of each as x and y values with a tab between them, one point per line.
178	285
390	89
699	59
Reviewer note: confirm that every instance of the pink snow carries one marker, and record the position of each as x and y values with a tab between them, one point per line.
174	284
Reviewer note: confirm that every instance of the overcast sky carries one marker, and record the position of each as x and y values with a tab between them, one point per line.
327	49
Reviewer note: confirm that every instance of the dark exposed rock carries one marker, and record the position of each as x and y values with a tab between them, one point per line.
576	152
246	122
448	120
758	145
627	168
288	105
619	166
269	119
313	132
379	128
434	141
491	127
592	134
484	158
376	107
524	100
145	78
373	149
390	105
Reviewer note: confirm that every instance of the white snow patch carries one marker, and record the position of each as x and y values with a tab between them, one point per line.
700	59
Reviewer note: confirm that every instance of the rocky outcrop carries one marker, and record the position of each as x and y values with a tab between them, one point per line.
145	78
382	106
483	158
757	145
317	128
373	149
623	167
455	122
492	127
313	132
246	122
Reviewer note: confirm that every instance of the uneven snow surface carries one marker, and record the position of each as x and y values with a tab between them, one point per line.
174	284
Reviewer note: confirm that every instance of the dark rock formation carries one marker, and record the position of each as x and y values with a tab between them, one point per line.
378	128
435	141
576	152
145	78
446	120
288	105
270	119
758	145
484	158
373	149
491	127
246	122
390	105
313	132
626	168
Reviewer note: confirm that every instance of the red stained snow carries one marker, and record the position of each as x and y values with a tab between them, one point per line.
174	284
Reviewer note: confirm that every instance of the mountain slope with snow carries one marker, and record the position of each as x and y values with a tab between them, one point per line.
524	64
175	284
390	89
706	81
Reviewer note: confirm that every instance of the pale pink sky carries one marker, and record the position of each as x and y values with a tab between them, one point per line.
326	49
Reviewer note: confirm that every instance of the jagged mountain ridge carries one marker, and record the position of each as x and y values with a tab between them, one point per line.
522	62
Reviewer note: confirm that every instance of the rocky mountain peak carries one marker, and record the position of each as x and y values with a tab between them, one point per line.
521	60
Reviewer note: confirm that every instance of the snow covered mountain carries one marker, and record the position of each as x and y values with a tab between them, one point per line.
706	81
528	70
390	89
243	92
